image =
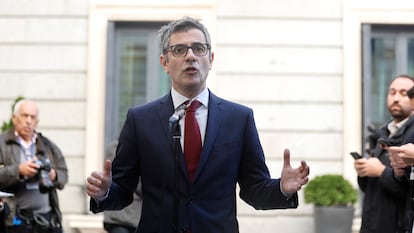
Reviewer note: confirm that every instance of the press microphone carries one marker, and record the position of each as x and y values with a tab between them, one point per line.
178	114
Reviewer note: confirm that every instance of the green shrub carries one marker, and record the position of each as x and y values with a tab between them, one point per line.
9	124
330	190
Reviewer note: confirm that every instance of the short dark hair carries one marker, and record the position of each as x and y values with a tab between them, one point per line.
410	93
180	25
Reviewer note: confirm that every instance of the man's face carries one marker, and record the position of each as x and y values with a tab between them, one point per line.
397	100
26	120
188	73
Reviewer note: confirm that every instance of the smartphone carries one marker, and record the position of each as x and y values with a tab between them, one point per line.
356	155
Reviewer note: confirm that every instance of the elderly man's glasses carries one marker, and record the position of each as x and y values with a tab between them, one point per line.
180	50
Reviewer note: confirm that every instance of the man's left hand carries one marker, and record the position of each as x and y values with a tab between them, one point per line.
293	179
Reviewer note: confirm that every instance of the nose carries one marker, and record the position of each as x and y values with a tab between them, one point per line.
190	55
29	120
397	97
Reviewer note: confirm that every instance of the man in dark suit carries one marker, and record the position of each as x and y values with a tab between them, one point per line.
201	196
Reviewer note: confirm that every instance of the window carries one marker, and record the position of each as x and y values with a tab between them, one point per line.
388	50
134	74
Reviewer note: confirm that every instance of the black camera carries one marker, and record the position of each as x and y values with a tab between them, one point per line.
45	184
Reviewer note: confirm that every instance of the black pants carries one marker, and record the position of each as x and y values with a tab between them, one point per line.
3	216
26	228
115	228
20	229
30	225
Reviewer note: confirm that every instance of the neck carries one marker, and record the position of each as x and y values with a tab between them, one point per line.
190	93
27	139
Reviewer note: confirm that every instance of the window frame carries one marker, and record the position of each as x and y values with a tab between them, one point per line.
401	34
113	87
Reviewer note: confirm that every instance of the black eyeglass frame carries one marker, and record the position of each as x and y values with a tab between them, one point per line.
204	45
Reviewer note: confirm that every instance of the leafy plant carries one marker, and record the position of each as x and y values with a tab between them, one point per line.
330	190
9	124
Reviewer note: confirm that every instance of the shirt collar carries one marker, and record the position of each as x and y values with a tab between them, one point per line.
23	142
401	123
397	125
393	127
179	99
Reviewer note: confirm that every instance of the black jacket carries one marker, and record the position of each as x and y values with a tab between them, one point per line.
9	171
385	197
3	216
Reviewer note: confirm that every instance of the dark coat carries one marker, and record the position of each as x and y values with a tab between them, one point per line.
3	216
385	197
231	155
9	171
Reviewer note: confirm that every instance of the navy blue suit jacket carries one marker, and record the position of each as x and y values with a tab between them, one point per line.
231	154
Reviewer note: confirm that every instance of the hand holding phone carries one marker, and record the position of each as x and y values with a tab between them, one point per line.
356	155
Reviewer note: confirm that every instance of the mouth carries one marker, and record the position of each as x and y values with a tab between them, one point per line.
395	106
27	128
190	70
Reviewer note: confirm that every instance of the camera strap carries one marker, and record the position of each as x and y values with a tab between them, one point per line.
28	153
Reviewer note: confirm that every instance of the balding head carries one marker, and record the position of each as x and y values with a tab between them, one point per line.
25	118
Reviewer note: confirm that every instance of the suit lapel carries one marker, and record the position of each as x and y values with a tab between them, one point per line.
165	109
213	125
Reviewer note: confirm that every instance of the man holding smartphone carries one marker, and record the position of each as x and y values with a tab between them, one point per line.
385	190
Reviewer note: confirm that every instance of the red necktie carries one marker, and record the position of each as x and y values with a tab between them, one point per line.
192	139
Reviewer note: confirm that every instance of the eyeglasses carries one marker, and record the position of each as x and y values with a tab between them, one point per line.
180	50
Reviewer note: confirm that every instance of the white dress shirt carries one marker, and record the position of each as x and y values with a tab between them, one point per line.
200	114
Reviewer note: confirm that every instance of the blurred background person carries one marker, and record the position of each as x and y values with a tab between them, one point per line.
32	167
402	160
385	192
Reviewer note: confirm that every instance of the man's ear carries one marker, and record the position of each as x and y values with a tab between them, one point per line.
164	63
14	119
211	60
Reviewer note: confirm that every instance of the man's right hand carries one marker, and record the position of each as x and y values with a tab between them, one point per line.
28	169
98	183
371	167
